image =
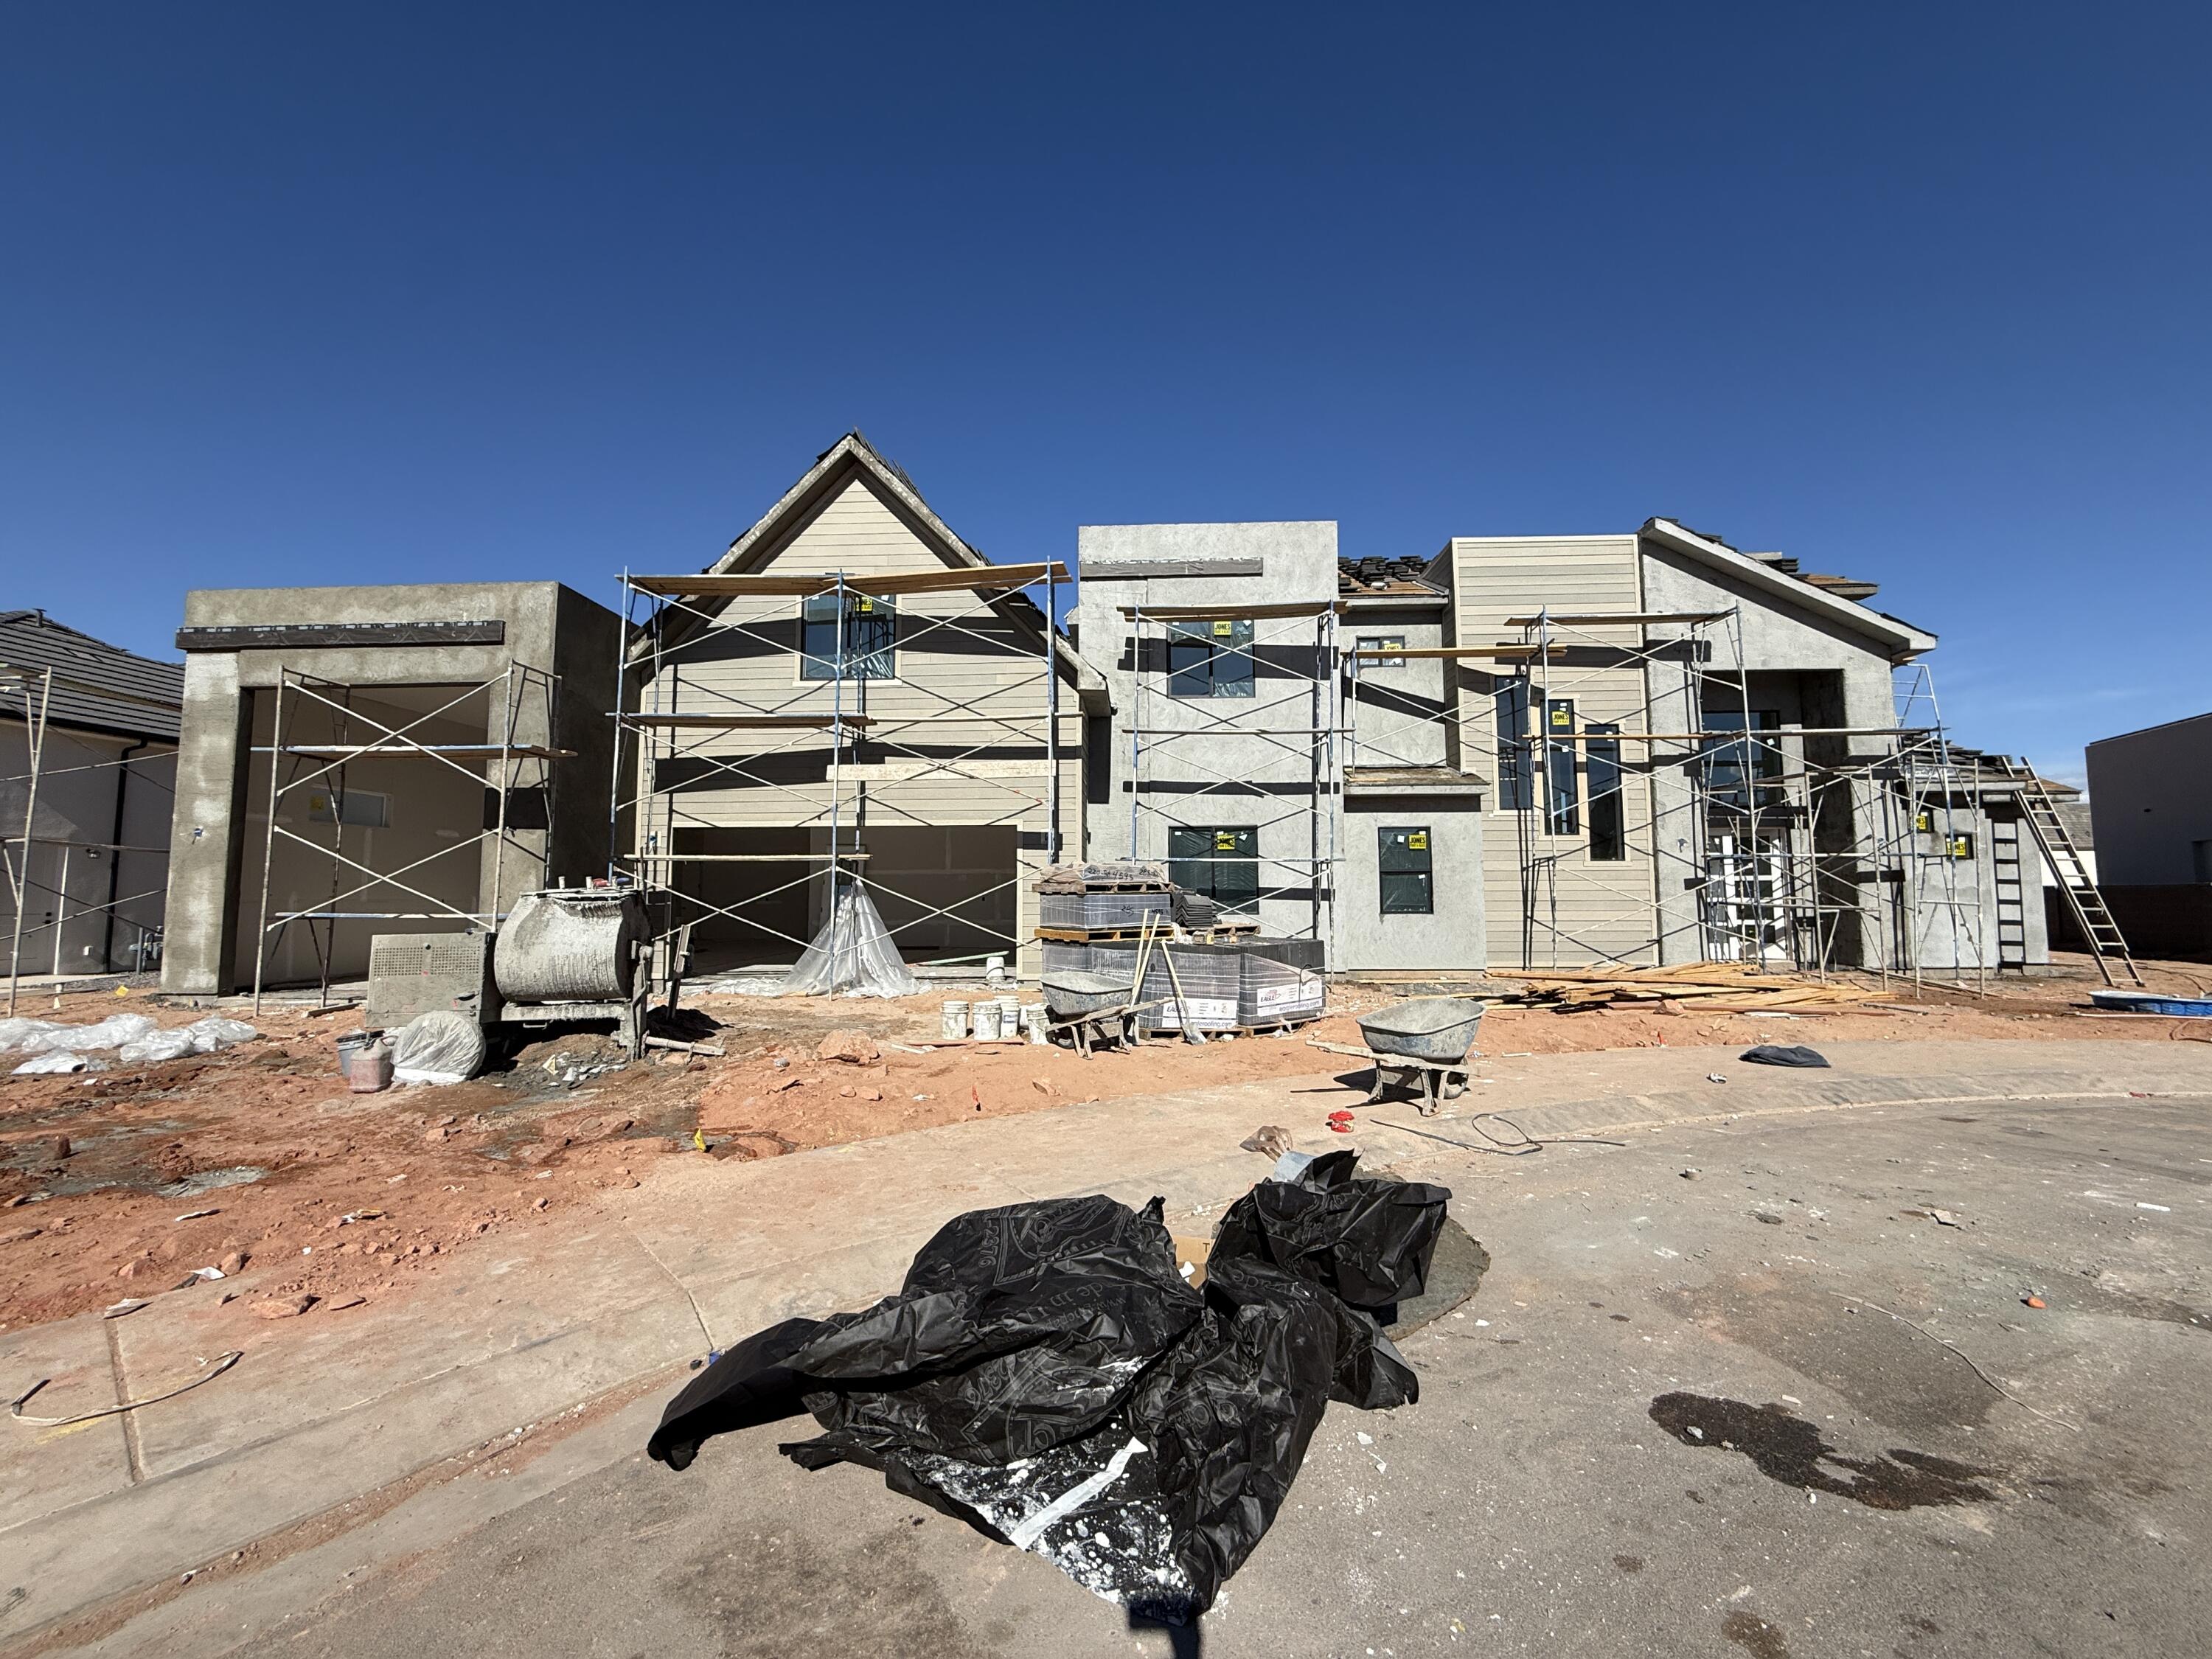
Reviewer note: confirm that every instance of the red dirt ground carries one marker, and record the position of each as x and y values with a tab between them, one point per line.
424	1173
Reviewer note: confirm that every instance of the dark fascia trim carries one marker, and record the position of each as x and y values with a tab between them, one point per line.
298	636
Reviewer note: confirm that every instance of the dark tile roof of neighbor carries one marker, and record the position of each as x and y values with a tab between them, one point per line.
1372	575
97	686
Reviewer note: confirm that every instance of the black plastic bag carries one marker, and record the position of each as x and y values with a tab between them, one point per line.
1046	1374
1797	1054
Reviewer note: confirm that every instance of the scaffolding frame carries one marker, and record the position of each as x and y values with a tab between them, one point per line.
325	763
1321	691
37	710
680	620
1740	824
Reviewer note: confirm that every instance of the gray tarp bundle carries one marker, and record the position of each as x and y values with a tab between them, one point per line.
1047	1374
1798	1054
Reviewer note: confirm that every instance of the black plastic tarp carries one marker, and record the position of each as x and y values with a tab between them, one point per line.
1047	1374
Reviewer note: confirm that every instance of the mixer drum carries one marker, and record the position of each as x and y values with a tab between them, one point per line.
571	944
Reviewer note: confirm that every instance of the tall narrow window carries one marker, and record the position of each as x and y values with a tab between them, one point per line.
1515	757
870	638
1209	659
1563	804
1609	821
1223	864
1405	872
1741	760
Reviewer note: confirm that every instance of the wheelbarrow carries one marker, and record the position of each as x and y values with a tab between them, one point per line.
1422	1045
1091	1008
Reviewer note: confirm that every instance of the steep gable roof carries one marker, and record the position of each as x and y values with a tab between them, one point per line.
834	468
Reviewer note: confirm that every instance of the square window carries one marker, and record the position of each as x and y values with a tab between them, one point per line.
871	637
1209	659
1223	864
1383	642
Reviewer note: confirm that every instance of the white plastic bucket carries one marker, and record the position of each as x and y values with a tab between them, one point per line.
986	1021
952	1021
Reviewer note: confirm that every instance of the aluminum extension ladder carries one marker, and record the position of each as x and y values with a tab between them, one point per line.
2066	862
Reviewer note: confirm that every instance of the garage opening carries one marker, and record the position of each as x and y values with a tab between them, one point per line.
370	844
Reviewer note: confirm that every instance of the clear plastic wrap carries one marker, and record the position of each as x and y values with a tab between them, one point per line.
215	1032
15	1032
439	1047
853	954
155	1046
110	1033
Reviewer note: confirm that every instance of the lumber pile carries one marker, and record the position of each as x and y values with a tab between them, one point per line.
1719	987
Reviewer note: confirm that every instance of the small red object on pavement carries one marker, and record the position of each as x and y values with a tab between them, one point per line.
1339	1122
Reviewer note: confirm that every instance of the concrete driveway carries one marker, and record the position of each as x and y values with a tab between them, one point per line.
1760	1408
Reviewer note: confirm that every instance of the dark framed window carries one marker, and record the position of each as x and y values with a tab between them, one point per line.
1609	821
1516	753
1223	864
871	637
1405	870
1747	759
1562	798
1209	659
1393	642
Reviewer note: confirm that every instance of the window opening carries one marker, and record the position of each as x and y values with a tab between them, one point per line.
1405	872
1209	659
1223	863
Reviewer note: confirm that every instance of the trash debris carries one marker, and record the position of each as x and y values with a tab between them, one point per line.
130	1305
1944	1219
1047	1376
1768	1053
1341	1122
1270	1139
1715	1077
209	1273
440	1047
2033	1302
210	1370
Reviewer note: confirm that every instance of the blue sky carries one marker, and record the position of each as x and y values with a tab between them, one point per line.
1917	294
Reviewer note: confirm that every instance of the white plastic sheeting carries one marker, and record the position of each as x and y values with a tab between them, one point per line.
156	1046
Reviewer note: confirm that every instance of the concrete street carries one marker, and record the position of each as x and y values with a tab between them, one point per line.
1945	1469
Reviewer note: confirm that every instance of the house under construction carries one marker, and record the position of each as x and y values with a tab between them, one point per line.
1641	747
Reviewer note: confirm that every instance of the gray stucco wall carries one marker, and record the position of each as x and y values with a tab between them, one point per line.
1395	715
548	628
2150	796
1199	768
1453	938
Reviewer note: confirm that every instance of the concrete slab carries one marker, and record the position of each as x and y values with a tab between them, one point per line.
47	1469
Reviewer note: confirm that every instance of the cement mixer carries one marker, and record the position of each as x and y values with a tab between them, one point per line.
563	953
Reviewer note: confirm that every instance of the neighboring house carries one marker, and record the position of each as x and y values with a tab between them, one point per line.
95	871
1647	747
955	771
2150	795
